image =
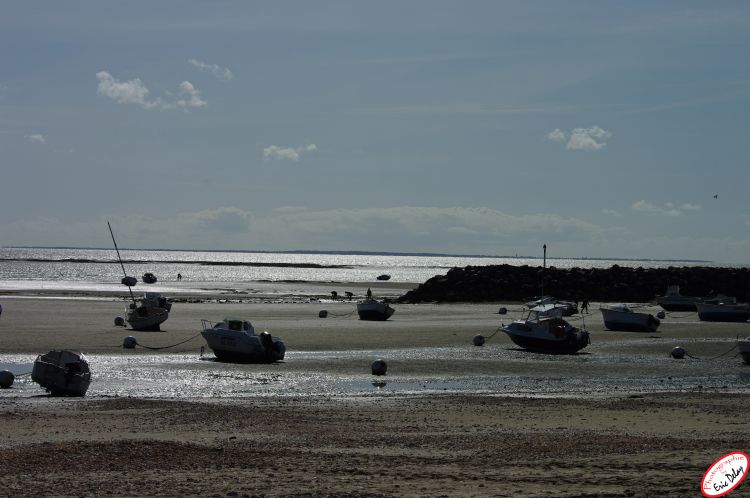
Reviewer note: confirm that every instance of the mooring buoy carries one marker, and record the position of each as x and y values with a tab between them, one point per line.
6	378
129	342
678	352
478	340
503	310
323	314
379	367
661	315
119	321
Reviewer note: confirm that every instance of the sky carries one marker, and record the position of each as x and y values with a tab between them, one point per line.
601	129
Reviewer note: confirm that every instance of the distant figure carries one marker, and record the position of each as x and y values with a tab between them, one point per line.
334	295
716	196
349	295
179	277
369	293
585	306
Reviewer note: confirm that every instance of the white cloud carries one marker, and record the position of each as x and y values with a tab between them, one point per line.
611	212
668	209
219	72
557	135
287	153
36	138
135	92
588	138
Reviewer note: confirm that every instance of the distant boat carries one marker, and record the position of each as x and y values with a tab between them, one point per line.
234	340
149	312
744	348
129	281
672	300
621	317
384	276
62	373
566	307
543	330
724	312
149	278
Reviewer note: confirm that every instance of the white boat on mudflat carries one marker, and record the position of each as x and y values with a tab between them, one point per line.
62	373
234	340
543	330
568	308
371	309
150	312
743	345
621	317
672	300
724	311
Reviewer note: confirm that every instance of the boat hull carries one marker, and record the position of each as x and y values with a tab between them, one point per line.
677	306
629	321
147	319
723	313
232	347
374	311
62	373
547	345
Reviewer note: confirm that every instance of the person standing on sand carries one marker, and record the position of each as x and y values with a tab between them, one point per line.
179	277
585	306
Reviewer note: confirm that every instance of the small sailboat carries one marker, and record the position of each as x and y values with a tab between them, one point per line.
152	310
62	373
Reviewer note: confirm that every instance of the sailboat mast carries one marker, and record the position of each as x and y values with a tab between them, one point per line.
120	260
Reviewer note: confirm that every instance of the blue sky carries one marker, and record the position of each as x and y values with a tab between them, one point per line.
603	129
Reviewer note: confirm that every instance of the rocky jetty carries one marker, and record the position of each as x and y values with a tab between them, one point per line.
617	283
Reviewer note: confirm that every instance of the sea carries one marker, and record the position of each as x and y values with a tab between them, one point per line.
71	269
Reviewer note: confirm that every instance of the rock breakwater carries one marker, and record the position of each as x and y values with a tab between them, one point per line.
617	283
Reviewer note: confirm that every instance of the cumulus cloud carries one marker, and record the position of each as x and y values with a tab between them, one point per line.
36	138
220	73
582	138
279	153
135	92
667	209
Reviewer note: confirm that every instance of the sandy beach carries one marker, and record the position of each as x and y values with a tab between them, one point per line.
449	418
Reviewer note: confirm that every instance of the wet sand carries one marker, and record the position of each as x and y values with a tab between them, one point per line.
656	441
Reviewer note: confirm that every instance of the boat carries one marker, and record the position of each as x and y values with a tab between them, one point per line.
723	311
372	309
148	278
743	346
384	276
62	373
149	312
672	300
234	340
544	330
152	310
568	308
621	317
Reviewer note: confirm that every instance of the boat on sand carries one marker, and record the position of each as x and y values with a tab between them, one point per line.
544	330
62	373
234	340
149	312
372	309
622	317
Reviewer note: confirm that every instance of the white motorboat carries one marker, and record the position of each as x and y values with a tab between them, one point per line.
150	312
621	317
544	330
62	373
730	311
743	345
672	300
568	308
234	340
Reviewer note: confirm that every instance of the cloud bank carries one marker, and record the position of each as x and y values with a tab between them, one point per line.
589	139
667	209
220	73
279	153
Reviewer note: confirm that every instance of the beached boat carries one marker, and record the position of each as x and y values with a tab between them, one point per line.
384	276
62	373
148	313
672	300
234	340
372	309
148	278
724	311
567	308
544	330
621	317
743	345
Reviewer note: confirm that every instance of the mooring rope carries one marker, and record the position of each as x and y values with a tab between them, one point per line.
167	347
493	334
713	357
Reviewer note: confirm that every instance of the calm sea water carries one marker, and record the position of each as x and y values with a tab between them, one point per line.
21	268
